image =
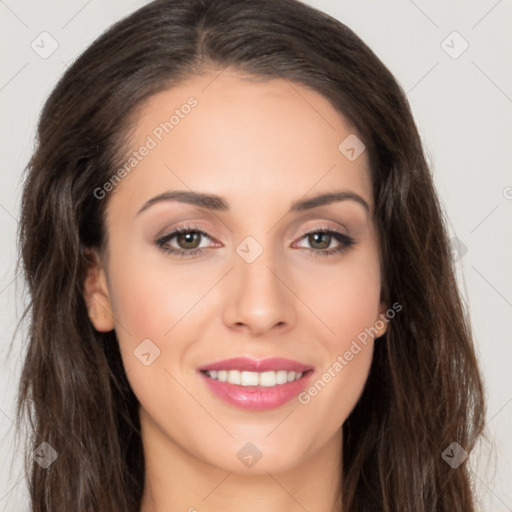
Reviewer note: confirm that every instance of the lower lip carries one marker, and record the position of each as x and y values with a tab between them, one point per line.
257	398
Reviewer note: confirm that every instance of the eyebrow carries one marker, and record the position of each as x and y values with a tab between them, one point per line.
218	203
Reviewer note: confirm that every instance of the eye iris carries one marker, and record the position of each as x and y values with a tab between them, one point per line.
188	238
313	238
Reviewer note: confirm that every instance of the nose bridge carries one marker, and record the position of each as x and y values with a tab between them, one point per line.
257	297
255	267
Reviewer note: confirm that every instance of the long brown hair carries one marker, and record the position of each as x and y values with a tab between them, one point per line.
424	391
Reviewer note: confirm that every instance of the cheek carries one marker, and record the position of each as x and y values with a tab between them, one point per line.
354	302
333	394
166	303
349	305
347	301
149	296
345	297
150	306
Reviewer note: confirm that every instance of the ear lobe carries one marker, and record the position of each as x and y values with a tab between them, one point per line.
96	294
382	323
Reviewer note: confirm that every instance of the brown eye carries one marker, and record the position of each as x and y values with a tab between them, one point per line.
187	243
189	240
322	239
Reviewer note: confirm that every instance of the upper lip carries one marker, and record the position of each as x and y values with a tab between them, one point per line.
257	365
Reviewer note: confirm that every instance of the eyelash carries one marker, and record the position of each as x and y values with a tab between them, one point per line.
345	242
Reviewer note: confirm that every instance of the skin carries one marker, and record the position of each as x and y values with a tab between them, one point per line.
260	145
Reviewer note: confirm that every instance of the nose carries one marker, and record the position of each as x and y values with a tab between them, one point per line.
258	298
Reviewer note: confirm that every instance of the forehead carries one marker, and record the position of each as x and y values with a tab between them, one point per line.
248	140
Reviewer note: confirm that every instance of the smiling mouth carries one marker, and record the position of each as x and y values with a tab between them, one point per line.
265	379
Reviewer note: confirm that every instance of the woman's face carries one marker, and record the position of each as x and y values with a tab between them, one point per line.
255	285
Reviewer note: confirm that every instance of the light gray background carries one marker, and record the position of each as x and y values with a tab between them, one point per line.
461	103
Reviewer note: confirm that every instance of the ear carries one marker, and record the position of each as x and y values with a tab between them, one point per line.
382	323
96	294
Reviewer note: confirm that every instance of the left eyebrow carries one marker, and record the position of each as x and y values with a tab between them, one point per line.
323	199
218	203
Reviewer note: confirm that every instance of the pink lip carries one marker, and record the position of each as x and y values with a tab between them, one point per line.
257	398
254	365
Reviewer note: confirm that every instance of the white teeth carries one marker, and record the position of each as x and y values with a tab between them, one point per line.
248	378
265	379
268	379
234	377
282	377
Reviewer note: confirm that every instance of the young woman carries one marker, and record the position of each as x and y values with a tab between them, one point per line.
242	289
